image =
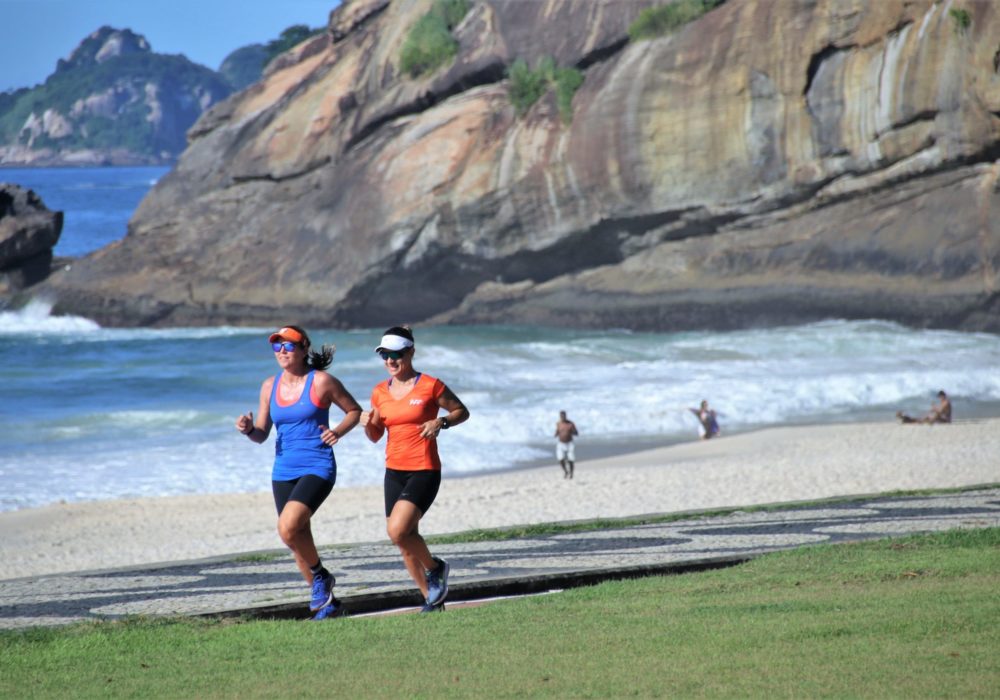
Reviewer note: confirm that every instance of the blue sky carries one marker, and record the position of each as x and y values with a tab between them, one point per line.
34	34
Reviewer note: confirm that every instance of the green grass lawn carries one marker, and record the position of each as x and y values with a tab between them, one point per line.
902	618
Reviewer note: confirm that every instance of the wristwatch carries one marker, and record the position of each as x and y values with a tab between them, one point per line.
444	423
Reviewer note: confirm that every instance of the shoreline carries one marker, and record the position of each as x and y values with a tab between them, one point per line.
622	447
772	465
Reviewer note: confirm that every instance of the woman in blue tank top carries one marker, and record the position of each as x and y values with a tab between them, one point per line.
297	401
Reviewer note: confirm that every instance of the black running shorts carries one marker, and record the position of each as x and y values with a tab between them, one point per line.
309	489
419	488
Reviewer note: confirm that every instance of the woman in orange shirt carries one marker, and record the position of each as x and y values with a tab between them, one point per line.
407	405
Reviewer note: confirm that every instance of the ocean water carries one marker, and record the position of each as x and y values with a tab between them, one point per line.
93	413
97	202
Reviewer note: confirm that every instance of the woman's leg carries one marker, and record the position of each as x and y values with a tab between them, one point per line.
402	528
295	530
296	501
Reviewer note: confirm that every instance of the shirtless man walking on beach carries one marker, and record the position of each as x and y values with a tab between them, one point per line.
565	430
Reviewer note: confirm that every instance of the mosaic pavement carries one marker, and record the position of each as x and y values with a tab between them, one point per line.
370	577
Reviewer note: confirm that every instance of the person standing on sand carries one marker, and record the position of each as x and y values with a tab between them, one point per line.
297	402
939	413
565	452
708	424
407	406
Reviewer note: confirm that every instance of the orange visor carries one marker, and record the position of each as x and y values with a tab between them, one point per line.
286	334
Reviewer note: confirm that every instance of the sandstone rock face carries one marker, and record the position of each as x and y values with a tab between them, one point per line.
770	162
28	233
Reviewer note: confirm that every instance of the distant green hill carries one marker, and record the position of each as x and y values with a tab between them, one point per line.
112	101
115	101
245	65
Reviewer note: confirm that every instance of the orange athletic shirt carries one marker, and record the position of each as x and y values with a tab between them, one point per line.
404	448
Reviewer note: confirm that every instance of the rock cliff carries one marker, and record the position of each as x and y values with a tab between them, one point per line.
768	162
28	233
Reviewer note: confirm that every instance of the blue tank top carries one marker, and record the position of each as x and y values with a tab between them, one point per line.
298	450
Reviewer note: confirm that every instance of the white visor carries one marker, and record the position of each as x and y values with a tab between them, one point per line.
394	342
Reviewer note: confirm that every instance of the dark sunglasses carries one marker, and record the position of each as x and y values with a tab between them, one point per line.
287	346
391	354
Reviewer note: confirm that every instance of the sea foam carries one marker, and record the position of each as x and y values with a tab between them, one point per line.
95	412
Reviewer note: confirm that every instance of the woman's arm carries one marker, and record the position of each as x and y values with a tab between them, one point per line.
332	392
340	396
371	420
457	413
258	430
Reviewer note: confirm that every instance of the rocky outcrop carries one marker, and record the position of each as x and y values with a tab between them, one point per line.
900	254
101	46
766	163
28	233
112	102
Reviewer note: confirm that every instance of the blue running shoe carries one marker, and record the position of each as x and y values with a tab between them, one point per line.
330	611
437	582
322	593
428	608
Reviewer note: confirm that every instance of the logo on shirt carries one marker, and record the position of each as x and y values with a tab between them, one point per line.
416	402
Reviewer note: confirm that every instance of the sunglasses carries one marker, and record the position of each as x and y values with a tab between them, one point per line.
287	346
391	354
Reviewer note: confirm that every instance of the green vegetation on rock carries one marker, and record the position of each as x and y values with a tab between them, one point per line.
9	98
290	37
961	18
429	43
659	21
527	86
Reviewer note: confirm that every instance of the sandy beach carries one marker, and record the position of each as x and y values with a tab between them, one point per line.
768	466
